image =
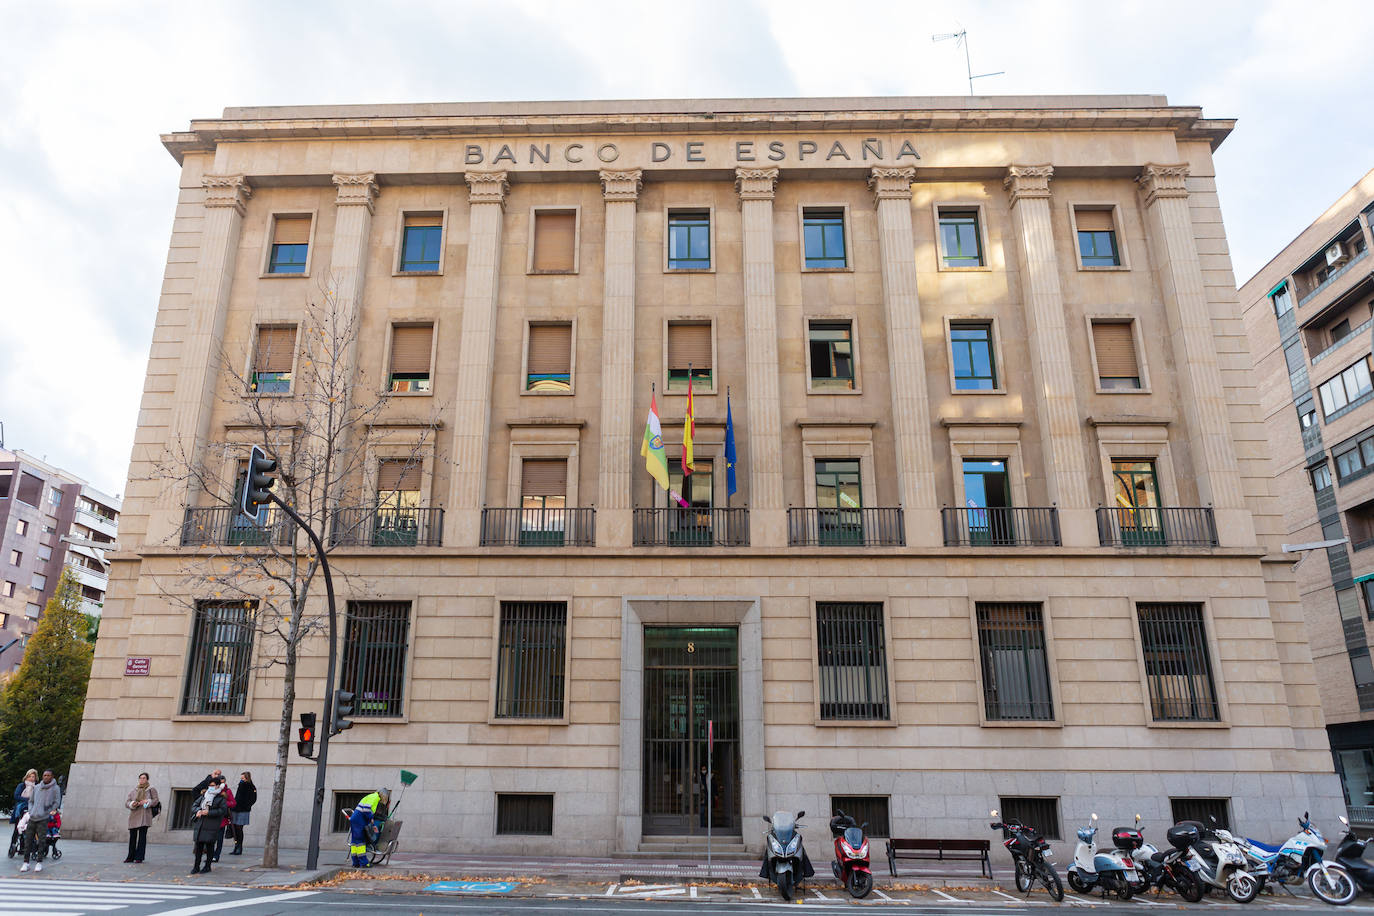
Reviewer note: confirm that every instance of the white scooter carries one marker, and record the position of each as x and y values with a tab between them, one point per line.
1112	869
1218	861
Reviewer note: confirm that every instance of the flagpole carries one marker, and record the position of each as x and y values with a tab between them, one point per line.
727	461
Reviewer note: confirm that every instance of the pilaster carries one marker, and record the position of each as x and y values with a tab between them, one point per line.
905	356
348	257
1178	271
472	407
1056	402
767	511
226	200
620	187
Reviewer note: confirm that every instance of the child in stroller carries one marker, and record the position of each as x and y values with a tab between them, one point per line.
54	834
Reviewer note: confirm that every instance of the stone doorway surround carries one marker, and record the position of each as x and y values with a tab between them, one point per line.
636	612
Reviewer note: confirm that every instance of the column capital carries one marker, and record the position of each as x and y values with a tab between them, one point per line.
889	183
621	184
1027	182
1158	181
226	191
487	187
755	184
358	189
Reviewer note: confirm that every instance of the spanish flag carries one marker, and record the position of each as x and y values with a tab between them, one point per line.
689	428
652	448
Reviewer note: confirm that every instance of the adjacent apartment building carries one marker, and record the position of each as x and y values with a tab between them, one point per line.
40	507
1308	316
997	530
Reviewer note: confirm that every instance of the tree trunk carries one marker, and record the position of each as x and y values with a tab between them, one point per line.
271	841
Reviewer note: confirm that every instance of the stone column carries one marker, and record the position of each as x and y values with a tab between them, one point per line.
472	408
1178	271
1056	401
348	263
905	357
618	447
767	511
226	198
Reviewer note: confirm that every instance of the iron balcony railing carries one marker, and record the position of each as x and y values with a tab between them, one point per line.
845	528
224	526
1158	527
1001	526
684	527
387	527
538	527
1361	814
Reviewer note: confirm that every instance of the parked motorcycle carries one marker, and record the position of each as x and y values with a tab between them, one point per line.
1216	859
851	864
1031	854
1165	869
1297	860
1351	863
1111	869
784	858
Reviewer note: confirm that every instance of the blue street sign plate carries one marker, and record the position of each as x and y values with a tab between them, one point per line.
473	887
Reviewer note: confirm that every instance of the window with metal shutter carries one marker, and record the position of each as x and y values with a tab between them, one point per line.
689	344
410	347
420	220
550	349
291	230
544	477
1115	345
398	474
555	238
275	351
1094	220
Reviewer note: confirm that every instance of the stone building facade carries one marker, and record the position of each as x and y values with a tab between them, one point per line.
1004	533
1308	316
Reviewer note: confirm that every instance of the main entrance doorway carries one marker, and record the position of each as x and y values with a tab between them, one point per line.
691	676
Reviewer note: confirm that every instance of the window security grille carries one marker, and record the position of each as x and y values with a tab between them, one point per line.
528	815
1201	810
1040	813
853	660
220	658
1177	666
183	806
869	809
529	676
1016	678
374	660
343	801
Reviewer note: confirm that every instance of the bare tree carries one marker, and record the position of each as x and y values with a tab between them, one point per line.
320	427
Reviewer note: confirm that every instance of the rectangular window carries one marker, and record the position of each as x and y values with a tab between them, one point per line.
1351	384
39	582
1348	464
1114	344
1340	331
866	809
182	815
273	358
422	240
689	240
1321	477
1096	238
55	499
398	483
32	610
218	665
1361	667
852	658
961	244
30	489
6	478
543	501
689	353
1307	418
823	238
21	527
1282	299
16	557
7	590
530	658
1039	813
832	354
1177	666
970	345
1016	674
344	803
524	815
1202	810
412	346
548	365
290	244
695	487
374	656
555	242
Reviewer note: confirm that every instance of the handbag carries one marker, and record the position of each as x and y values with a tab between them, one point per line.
155	808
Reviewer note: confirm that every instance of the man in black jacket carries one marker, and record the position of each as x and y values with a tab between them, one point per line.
245	797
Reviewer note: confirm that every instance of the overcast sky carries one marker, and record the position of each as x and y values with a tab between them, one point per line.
87	191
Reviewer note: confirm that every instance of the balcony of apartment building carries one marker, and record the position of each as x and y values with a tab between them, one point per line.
1343	327
89	514
1330	273
90	576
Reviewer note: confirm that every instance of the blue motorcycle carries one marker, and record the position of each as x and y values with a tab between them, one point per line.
1300	859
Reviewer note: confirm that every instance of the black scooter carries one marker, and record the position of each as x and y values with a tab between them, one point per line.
1350	861
785	861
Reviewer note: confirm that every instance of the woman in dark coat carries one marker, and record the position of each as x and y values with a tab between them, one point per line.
246	796
209	823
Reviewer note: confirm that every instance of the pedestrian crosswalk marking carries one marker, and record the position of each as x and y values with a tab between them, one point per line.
46	897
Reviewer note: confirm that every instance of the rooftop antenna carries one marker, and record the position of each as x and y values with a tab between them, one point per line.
961	38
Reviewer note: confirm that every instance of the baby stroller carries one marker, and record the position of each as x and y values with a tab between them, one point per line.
54	834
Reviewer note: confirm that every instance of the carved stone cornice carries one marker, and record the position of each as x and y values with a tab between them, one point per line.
1158	181
356	190
487	187
621	184
756	184
1029	182
889	183
227	191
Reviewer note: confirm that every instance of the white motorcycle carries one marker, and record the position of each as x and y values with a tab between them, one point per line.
1217	860
1301	859
1111	869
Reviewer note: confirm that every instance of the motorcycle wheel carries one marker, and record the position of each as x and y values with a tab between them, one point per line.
1052	883
1078	884
1188	887
785	885
839	872
860	883
1123	888
1242	888
1023	876
1338	891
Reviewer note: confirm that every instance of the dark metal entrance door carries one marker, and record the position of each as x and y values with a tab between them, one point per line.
691	676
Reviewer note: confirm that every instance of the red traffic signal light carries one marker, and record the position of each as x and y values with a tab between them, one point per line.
305	745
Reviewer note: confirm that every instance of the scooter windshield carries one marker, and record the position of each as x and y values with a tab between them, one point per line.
854	837
784	825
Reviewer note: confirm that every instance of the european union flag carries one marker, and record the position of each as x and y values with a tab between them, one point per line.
730	486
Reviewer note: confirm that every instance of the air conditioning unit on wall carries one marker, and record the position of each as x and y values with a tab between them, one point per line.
1335	254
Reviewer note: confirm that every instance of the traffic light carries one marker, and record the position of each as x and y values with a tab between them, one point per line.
258	482
343	708
306	733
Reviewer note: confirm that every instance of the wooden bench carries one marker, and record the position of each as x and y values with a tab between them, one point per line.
940	850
